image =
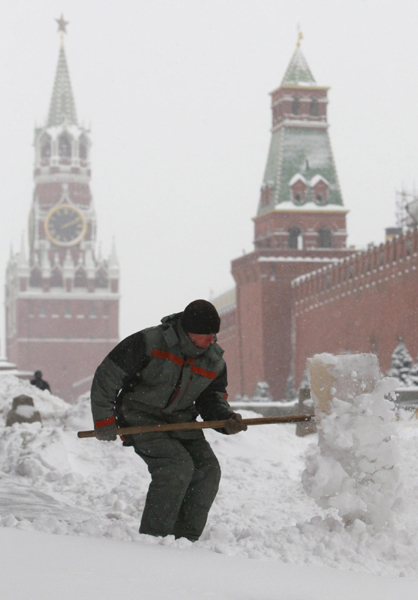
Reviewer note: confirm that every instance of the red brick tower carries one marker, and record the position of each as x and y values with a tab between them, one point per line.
299	227
62	301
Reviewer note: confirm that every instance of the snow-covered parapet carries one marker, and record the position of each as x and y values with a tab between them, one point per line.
354	468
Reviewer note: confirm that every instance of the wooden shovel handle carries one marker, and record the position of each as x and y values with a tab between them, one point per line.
199	425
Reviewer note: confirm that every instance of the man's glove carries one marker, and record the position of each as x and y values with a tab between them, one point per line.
105	430
234	424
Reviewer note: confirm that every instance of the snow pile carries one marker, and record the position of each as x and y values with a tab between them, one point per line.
54	483
355	467
53	409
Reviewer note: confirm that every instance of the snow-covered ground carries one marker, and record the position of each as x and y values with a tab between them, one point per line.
70	510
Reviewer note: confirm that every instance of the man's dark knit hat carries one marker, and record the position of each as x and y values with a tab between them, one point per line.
200	316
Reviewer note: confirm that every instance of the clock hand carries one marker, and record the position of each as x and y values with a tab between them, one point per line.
70	223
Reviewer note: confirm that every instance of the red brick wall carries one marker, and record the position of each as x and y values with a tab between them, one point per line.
68	366
250	332
264	316
66	347
228	340
362	305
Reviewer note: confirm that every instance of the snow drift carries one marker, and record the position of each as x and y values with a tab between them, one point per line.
54	483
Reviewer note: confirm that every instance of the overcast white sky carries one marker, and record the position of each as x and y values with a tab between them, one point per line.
176	92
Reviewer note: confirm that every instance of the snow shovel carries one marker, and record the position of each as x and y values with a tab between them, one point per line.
199	425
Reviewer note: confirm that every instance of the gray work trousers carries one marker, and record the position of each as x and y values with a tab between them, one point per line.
185	479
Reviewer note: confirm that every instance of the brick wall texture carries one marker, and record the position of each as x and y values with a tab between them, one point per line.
287	311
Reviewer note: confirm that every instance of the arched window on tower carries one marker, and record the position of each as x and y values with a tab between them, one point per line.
64	146
275	114
320	189
267	238
259	240
56	277
101	279
82	148
298	188
296	106
295	239
45	149
80	278
35	279
314	108
325	237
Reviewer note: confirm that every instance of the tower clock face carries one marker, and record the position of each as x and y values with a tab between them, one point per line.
65	225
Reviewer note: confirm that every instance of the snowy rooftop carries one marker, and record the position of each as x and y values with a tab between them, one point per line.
318	259
310	206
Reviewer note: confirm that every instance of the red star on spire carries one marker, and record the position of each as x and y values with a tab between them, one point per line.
62	24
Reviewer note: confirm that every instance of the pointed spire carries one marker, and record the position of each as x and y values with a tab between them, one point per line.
62	107
22	263
99	255
22	253
298	71
89	262
113	259
45	263
113	268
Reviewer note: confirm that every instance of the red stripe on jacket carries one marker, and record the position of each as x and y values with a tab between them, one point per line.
168	356
179	361
104	422
203	372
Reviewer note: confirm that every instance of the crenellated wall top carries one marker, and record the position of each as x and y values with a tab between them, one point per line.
363	264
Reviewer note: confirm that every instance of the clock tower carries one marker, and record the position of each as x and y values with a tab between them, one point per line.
62	296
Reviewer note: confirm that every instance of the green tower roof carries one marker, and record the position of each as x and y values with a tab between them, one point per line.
300	147
62	107
299	152
298	71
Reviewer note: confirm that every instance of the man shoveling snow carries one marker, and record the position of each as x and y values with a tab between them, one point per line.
170	373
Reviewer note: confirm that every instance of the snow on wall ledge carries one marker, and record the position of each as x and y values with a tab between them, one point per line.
354	468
